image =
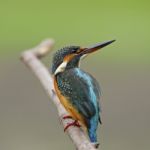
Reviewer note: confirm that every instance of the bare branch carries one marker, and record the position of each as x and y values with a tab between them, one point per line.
31	58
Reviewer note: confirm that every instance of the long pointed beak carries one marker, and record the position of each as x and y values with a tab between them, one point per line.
95	47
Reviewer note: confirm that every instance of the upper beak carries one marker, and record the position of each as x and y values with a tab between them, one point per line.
95	47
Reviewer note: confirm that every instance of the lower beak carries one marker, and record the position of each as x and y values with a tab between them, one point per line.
95	47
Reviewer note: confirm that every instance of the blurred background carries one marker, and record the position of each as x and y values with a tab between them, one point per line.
28	119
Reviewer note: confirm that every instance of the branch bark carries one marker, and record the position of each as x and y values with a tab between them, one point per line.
31	58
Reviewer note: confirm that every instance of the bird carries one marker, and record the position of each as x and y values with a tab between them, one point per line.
78	91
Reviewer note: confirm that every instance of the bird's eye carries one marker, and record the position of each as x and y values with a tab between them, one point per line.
78	51
75	50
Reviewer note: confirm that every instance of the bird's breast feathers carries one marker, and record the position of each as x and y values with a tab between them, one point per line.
79	93
68	106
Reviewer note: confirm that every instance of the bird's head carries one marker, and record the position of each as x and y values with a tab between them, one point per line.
69	57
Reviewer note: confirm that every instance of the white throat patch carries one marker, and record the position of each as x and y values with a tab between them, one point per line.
61	67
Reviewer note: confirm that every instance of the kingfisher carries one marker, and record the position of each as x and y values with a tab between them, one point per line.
77	90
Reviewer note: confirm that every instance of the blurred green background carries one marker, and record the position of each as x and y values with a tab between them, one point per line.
27	119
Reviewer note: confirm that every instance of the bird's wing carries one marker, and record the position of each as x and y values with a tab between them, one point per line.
81	91
97	90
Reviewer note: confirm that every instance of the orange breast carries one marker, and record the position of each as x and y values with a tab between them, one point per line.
68	106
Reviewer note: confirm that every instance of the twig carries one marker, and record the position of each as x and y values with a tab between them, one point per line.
31	58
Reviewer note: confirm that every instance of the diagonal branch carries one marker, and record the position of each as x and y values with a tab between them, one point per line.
31	58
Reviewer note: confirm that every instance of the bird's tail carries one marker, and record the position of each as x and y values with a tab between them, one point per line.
93	138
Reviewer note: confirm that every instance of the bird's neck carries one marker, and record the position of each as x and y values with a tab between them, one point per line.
65	66
66	71
72	64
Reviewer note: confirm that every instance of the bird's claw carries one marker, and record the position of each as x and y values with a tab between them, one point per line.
74	123
67	117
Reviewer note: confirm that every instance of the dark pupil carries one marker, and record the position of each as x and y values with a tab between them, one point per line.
75	49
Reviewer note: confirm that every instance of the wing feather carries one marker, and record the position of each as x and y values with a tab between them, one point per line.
77	90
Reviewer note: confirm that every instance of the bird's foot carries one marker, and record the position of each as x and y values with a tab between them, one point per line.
74	123
67	117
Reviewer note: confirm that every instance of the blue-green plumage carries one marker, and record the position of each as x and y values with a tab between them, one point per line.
77	90
83	93
94	97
